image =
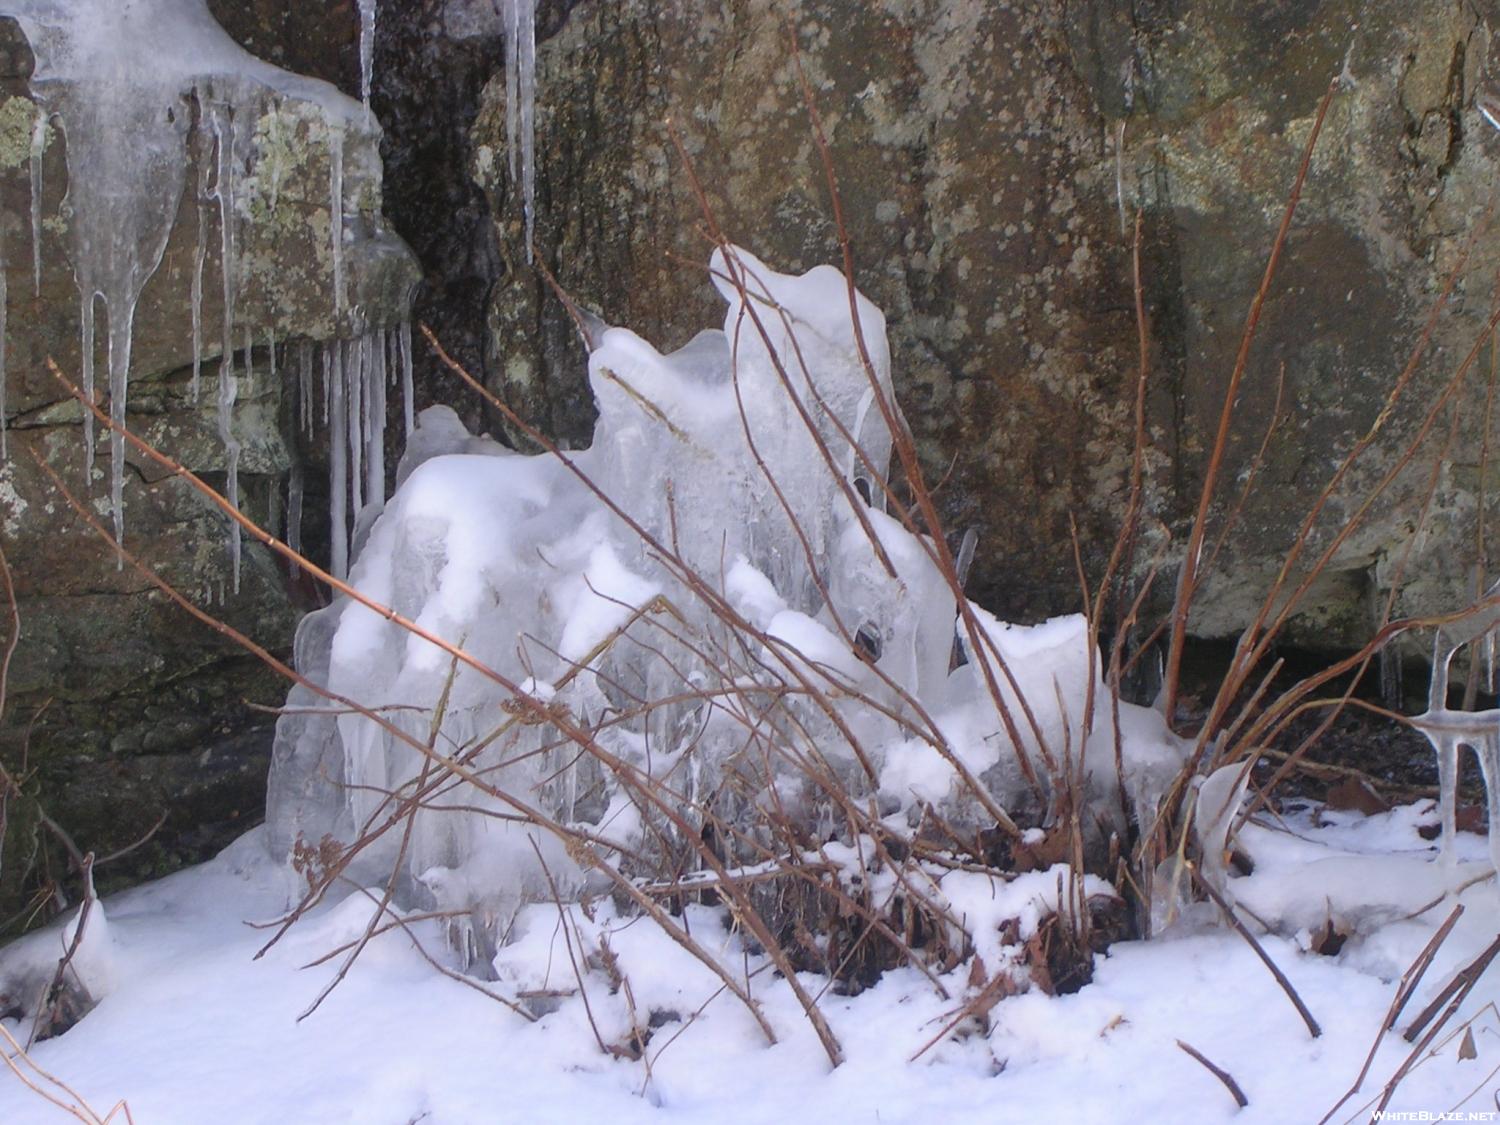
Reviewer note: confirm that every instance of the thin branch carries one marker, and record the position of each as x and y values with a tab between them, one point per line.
1218	1072
1239	927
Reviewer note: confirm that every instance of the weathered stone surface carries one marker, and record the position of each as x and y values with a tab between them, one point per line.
141	709
989	212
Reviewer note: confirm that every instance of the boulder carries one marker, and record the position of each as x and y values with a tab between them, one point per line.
991	159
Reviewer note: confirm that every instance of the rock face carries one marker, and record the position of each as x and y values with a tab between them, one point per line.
989	200
120	707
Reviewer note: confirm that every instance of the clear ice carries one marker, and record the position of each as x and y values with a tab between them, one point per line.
726	471
1450	731
366	52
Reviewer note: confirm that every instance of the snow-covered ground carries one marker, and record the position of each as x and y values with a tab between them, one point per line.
196	1029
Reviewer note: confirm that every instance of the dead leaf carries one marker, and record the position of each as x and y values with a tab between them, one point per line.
1467	1048
977	973
1471	818
1357	795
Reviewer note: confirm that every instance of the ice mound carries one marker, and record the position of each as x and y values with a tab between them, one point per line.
708	614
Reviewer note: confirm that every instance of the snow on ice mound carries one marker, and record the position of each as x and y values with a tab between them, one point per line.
700	592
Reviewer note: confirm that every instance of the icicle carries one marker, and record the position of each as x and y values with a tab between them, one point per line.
86	331
125	177
520	103
200	255
1389	660
223	126
336	209
273	512
338	474
38	150
271	352
354	376
304	387
224	195
228	392
294	508
327	385
512	78
366	52
1390	676
375	412
121	332
408	404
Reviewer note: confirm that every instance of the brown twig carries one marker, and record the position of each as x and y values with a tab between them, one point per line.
1239	927
1218	1072
1404	992
1455	993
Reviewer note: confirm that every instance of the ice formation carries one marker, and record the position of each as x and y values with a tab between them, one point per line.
142	92
520	102
716	617
367	14
356	376
1450	731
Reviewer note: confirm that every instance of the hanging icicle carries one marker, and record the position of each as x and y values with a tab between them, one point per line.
202	152
520	104
408	404
223	128
304	386
375	413
354	378
338	473
366	52
294	508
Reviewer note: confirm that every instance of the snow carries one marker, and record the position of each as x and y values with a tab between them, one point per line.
193	1027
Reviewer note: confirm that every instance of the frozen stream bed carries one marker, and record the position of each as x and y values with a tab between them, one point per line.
197	1029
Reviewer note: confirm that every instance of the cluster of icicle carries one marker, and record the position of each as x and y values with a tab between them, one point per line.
114	78
347	389
755	461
